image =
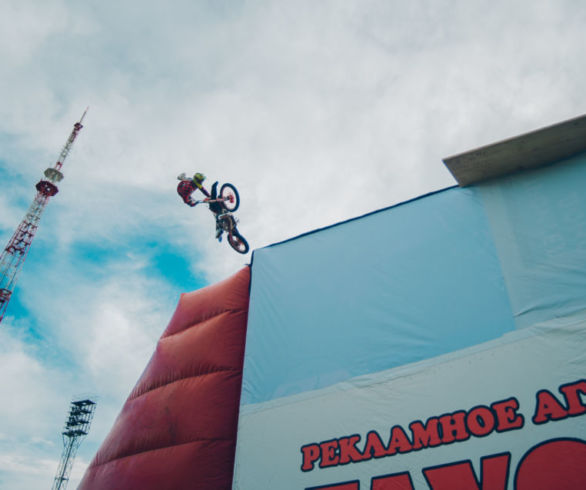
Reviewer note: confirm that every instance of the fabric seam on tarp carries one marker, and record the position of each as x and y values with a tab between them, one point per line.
162	448
202	320
167	383
370	380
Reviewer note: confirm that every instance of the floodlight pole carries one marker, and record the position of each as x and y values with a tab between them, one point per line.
77	427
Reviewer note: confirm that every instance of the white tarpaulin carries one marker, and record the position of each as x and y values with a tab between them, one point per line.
436	344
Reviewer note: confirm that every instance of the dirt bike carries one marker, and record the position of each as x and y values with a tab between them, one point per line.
229	200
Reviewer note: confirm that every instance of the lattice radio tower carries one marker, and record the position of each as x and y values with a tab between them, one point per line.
77	427
15	252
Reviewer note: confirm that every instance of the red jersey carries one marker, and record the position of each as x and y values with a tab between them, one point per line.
187	187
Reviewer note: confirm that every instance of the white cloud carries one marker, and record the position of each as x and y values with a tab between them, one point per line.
21	374
31	412
31	23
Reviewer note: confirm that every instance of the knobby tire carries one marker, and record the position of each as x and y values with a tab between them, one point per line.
225	191
238	242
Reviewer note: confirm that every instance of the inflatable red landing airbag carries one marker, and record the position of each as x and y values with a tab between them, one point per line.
177	430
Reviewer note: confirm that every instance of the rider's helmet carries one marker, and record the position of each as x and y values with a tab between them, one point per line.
199	178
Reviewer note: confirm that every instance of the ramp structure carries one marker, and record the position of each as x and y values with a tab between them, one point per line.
437	344
177	430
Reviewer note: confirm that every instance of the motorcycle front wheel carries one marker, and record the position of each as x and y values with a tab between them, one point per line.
231	199
238	242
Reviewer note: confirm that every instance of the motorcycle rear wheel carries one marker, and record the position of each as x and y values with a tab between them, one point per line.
238	242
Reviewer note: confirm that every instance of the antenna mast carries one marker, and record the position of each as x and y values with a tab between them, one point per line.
77	427
18	246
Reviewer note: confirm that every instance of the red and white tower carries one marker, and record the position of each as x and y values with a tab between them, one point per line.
15	252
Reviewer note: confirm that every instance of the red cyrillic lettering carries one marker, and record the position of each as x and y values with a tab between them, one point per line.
328	453
480	421
455	476
555	464
495	472
507	416
425	436
548	408
453	427
398	481
348	451
572	395
461	476
399	442
310	456
374	446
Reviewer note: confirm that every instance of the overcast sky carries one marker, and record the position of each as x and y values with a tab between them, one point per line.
317	110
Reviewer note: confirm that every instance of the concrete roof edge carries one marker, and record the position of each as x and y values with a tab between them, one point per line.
533	149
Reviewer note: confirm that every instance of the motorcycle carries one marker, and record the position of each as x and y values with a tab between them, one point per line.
228	201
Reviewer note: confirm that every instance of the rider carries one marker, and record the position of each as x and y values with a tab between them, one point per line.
188	186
